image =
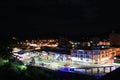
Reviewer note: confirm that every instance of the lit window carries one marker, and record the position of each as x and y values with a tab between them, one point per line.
102	46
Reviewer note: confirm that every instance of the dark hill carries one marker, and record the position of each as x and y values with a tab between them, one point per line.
114	75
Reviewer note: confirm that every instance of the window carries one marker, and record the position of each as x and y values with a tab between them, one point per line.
74	55
87	60
87	56
106	55
81	58
85	52
81	55
74	51
102	55
80	52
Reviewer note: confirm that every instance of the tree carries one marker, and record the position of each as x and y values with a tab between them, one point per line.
6	45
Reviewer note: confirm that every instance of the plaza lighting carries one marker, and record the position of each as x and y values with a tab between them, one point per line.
22	67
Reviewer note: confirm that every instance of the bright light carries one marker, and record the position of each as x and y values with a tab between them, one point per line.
115	58
22	67
5	61
103	59
33	45
2	62
15	50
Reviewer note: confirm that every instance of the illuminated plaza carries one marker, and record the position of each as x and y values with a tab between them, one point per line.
91	57
62	62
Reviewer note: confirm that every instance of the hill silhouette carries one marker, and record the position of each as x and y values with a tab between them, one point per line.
114	75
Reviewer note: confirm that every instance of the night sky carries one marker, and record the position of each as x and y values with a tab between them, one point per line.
69	17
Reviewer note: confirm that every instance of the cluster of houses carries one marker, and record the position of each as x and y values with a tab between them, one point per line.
91	50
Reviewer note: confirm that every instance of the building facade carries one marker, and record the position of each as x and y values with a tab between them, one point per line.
92	56
94	51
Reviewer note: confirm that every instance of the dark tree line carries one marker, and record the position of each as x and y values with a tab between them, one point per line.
6	45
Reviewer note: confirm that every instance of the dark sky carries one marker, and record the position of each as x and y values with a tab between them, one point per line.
59	17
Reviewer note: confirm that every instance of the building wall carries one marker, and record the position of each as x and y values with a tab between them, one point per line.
82	55
92	56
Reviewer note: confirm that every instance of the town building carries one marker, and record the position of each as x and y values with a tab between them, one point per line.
90	50
93	51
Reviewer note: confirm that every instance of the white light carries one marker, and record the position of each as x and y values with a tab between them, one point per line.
33	45
104	59
102	47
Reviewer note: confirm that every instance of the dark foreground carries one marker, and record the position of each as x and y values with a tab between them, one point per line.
12	71
18	71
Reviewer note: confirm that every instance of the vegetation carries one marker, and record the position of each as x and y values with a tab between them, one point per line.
15	72
6	45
